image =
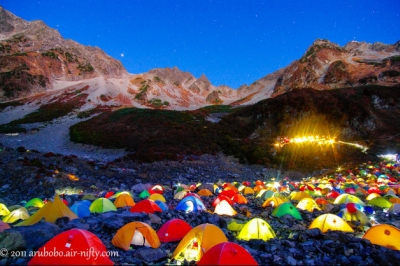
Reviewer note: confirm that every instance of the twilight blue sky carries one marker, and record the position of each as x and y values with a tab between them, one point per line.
233	42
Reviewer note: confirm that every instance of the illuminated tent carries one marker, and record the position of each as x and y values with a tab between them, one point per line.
373	195
287	208
78	240
156	189
220	198
236	225
190	204
180	194
147	206
35	202
384	235
17	214
256	228
124	200
330	221
80	209
157	196
224	208
51	211
198	241
102	205
136	233
173	230
4	226
380	202
307	204
3	210
346	198
227	253
332	195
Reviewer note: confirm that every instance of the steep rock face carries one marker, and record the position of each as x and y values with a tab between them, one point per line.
326	66
33	56
213	98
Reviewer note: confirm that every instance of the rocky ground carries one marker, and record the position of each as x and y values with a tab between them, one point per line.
39	164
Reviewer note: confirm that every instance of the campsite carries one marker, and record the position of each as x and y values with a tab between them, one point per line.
346	217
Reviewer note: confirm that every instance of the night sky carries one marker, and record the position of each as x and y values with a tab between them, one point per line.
232	42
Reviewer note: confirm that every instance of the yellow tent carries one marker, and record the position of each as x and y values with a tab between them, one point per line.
18	214
372	195
357	216
204	192
332	222
124	200
248	191
384	235
3	210
198	241
273	202
347	198
157	196
299	195
224	208
256	229
51	211
136	233
308	204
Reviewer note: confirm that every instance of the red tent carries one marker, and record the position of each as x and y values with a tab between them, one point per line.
173	230
374	190
332	195
84	247
229	193
109	194
156	189
227	253
221	198
147	206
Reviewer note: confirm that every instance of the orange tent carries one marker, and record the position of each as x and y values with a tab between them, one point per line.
173	230
124	200
198	241
384	235
136	233
147	206
205	192
227	253
83	243
239	198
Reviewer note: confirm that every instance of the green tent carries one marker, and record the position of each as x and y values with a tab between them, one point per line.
266	194
380	202
235	225
287	208
35	202
102	205
144	194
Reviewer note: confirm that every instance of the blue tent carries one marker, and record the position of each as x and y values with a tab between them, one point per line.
190	204
86	202
163	206
80	209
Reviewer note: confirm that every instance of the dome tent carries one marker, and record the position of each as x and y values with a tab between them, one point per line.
332	222
173	230
224	208
35	202
256	229
147	206
190	204
80	209
136	233
287	208
198	241
384	235
124	200
102	205
78	240
227	253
